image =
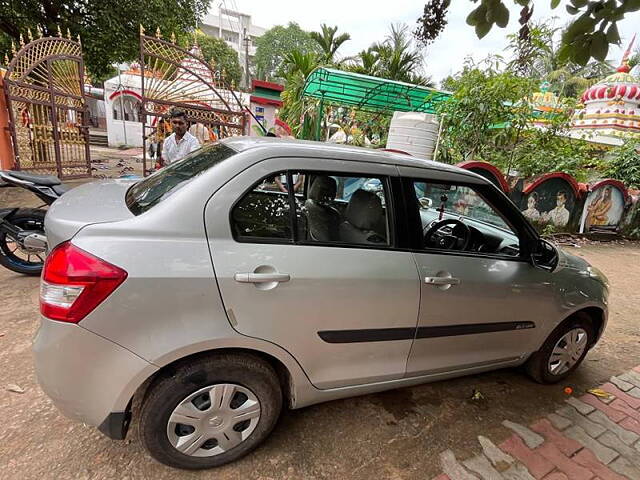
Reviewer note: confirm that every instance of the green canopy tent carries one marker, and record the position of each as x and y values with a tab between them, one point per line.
369	94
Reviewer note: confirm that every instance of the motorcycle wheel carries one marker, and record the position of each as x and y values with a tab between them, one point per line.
11	255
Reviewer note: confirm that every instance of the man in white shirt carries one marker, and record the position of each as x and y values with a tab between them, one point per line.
559	216
180	143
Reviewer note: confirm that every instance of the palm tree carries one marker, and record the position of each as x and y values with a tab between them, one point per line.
545	63
329	42
397	57
367	63
295	62
296	67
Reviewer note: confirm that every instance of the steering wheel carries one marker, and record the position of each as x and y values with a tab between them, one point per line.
457	239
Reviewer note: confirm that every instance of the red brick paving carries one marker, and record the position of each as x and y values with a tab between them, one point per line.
556	476
625	408
563	458
587	459
633	402
538	465
631	425
563	463
612	413
568	446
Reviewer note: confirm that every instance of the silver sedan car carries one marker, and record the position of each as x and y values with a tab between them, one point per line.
257	274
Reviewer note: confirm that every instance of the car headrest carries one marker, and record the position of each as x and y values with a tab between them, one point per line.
323	189
364	210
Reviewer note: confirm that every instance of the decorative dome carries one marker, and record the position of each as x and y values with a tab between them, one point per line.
620	85
544	100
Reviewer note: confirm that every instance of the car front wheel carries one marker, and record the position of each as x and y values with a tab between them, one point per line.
563	351
210	411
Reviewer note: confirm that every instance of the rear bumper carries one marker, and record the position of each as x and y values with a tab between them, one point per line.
87	376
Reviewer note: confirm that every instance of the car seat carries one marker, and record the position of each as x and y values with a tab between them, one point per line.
322	218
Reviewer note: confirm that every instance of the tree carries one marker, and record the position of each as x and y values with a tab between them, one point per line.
109	28
588	36
395	58
486	112
366	64
223	56
296	67
489	118
398	59
329	42
540	60
276	42
623	163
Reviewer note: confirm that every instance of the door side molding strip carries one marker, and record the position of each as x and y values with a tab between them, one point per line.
409	333
471	328
367	335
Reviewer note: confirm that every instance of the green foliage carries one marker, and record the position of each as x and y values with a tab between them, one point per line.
329	42
549	229
109	28
623	163
272	47
587	36
295	68
224	57
539	58
489	118
483	99
394	58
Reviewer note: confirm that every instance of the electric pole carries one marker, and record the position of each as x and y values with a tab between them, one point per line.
246	41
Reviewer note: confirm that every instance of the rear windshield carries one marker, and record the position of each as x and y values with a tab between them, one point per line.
164	183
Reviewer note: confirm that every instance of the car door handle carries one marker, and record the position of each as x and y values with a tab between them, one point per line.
441	281
261	277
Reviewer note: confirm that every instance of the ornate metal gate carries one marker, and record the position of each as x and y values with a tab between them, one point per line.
48	115
173	77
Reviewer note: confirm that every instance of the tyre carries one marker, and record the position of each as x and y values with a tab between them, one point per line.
210	411
563	351
14	257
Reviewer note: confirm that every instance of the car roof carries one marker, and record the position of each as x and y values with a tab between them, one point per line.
292	147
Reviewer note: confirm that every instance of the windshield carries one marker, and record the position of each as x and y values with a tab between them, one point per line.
458	200
164	183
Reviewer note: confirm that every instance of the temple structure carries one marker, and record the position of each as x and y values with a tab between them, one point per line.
611	110
123	96
545	104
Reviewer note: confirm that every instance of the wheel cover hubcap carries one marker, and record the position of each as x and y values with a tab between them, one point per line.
567	351
213	420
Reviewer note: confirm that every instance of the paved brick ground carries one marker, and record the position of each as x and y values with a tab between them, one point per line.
589	438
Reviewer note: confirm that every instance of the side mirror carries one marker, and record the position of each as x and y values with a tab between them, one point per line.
425	202
544	255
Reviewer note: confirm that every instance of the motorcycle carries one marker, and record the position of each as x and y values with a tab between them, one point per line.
23	244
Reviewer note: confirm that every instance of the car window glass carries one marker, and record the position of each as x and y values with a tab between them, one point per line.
264	211
463	220
161	185
338	208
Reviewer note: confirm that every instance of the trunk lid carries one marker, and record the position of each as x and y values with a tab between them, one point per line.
96	202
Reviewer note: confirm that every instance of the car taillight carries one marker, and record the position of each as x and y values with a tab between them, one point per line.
74	282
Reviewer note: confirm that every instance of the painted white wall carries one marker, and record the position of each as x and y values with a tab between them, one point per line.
267	116
119	132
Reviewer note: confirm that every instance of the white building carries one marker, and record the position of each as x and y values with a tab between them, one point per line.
233	27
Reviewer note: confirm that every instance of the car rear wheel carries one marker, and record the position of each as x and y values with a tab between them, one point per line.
210	411
563	351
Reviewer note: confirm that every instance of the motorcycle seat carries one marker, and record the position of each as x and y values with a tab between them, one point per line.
44	180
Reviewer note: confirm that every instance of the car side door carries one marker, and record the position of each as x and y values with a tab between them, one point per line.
339	296
483	306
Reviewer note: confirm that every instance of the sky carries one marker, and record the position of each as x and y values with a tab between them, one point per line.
368	21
